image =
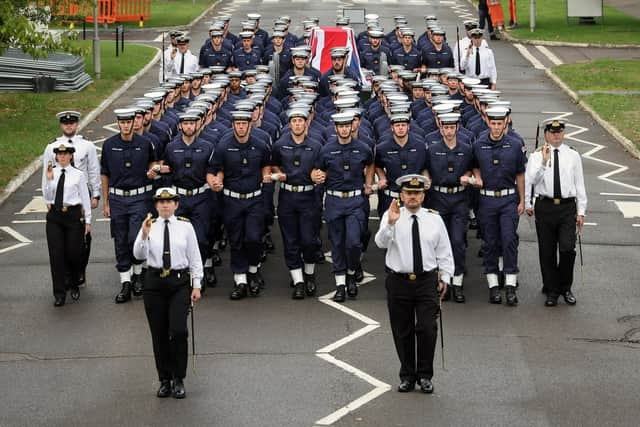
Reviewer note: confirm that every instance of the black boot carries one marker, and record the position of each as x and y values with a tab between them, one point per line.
210	275
260	280
359	274
254	284
298	292
75	293
136	285
309	284
352	286
268	243
494	295
456	292
165	388
215	258
239	291
510	293
178	389
473	224
125	293
340	295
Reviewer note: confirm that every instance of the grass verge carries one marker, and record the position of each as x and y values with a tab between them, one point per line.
551	24
28	119
622	111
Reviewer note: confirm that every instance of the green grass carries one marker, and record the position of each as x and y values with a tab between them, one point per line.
28	120
551	24
601	74
622	111
164	13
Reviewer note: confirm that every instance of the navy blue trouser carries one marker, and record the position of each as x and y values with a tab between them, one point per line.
127	214
498	219
244	222
345	225
298	218
454	211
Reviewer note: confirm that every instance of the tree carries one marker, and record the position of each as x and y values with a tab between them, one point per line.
19	20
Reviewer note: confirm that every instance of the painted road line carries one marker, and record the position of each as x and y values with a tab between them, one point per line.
36	205
323	353
635	225
524	52
42	221
628	209
13	233
380	388
592	224
550	55
19	237
620	195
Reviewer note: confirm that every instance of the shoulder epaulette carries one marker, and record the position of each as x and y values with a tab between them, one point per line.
154	220
433	211
572	148
182	218
539	148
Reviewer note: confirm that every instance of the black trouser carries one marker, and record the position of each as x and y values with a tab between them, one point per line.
166	302
85	253
65	232
413	312
556	229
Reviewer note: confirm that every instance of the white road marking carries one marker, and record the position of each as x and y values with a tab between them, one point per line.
620	194
534	61
36	205
552	57
113	127
323	353
635	225
19	237
629	209
380	388
451	2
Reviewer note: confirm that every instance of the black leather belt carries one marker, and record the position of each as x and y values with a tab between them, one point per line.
67	209
558	201
412	276
175	273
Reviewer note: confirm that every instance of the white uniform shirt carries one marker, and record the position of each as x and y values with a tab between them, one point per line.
85	159
571	177
183	246
464	44
434	243
487	64
167	58
173	64
75	189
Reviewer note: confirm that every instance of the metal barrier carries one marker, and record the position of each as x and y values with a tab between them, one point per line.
109	11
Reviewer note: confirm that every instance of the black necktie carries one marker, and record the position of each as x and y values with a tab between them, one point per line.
415	243
166	251
60	191
557	193
182	64
478	61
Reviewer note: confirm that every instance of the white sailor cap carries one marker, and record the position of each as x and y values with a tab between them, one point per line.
125	113
68	116
497	113
342	118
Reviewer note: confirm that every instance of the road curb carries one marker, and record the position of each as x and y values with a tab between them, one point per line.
32	167
627	144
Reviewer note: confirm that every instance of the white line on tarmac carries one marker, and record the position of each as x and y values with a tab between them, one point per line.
323	353
379	389
19	237
591	223
635	225
620	195
10	248
42	221
552	57
524	52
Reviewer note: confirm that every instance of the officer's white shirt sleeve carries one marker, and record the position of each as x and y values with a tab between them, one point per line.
434	243
571	176
93	169
385	233
183	246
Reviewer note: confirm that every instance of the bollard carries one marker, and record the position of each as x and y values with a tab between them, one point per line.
84	30
117	39
122	41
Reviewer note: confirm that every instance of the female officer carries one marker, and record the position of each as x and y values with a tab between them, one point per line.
169	245
66	194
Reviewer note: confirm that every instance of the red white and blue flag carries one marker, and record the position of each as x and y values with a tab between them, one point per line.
325	38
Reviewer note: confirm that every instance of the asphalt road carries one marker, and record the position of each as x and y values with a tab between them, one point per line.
271	361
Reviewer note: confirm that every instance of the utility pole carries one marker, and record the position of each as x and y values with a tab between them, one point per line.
532	18
96	42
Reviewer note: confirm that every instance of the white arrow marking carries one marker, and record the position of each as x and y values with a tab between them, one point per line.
19	237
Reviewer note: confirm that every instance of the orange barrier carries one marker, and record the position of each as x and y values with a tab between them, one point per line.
109	11
495	11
